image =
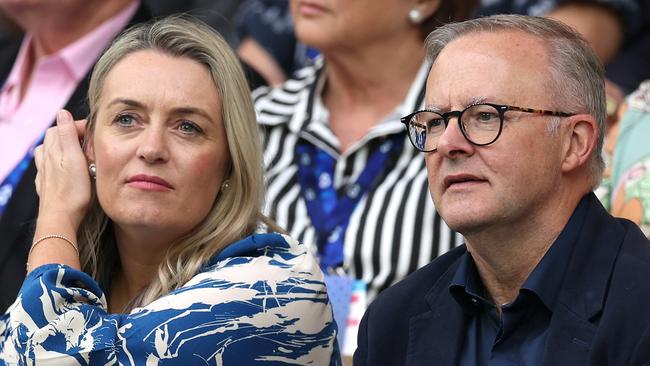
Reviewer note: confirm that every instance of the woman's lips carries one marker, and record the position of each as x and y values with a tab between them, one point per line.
149	183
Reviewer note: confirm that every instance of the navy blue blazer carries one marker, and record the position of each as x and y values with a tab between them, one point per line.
602	316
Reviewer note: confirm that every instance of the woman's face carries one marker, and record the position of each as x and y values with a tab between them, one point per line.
326	24
159	144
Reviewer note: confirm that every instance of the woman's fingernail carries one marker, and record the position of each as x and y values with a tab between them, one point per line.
61	115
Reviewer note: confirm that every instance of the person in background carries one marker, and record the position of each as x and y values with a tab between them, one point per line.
148	247
44	71
267	41
630	166
512	135
341	175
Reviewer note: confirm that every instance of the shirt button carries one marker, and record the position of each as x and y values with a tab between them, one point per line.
354	191
305	159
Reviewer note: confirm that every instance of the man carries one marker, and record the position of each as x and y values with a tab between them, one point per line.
45	71
546	276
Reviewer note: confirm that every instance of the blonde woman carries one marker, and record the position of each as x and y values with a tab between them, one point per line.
145	250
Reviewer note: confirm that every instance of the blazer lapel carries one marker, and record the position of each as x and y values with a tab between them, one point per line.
584	290
436	336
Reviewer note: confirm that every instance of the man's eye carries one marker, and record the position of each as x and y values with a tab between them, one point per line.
487	117
435	122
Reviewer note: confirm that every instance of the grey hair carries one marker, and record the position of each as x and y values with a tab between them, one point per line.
577	75
236	212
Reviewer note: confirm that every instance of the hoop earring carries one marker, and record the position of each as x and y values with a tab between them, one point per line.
92	169
415	16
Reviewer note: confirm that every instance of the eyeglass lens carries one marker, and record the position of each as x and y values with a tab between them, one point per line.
480	124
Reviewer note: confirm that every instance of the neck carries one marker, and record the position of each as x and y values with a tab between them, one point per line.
140	257
365	84
505	256
382	70
53	32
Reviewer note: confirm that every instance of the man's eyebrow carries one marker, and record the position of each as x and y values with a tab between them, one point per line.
467	103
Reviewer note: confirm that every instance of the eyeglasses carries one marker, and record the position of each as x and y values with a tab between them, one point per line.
480	124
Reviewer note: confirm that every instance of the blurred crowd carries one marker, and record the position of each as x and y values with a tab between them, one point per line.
341	175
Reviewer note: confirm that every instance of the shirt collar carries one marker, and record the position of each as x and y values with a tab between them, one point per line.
84	52
548	276
18	69
546	279
78	56
316	127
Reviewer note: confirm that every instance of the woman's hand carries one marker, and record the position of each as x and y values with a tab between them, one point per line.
62	181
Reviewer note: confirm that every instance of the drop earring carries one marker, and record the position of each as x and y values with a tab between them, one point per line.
92	169
415	16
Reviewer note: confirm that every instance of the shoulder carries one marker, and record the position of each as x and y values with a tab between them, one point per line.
263	260
281	101
410	294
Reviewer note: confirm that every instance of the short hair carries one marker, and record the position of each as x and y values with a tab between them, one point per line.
576	74
236	212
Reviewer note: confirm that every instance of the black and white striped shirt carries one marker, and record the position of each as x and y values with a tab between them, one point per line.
394	229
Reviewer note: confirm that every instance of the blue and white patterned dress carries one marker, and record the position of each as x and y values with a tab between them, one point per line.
262	300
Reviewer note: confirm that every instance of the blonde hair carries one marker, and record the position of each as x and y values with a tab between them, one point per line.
236	211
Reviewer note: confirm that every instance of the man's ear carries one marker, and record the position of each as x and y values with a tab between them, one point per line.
581	139
427	7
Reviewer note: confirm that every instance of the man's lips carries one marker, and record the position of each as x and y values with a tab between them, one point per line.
149	182
457	179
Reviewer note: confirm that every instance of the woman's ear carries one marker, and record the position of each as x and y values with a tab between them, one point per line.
88	143
580	140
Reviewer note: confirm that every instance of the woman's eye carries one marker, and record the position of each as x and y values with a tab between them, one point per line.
125	120
189	128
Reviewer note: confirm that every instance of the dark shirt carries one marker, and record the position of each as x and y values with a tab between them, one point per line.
518	336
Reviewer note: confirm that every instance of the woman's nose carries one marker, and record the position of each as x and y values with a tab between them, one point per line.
153	145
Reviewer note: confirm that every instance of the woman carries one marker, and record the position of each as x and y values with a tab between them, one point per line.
165	202
340	175
627	189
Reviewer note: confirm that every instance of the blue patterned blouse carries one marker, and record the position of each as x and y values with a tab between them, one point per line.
262	300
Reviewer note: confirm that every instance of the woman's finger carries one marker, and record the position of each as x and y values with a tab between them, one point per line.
38	156
66	130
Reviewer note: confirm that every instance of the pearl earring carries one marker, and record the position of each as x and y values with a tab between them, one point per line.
225	185
415	16
92	169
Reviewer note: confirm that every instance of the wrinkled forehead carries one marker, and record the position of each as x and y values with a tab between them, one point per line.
505	67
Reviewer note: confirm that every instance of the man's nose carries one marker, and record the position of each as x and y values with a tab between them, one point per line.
453	141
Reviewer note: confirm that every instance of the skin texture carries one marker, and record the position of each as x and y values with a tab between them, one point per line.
144	126
158	116
529	181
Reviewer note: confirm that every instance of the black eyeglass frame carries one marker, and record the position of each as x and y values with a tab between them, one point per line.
501	108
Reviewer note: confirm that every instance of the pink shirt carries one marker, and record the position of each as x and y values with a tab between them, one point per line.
54	79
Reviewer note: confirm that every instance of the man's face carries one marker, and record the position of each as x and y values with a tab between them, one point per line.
478	188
